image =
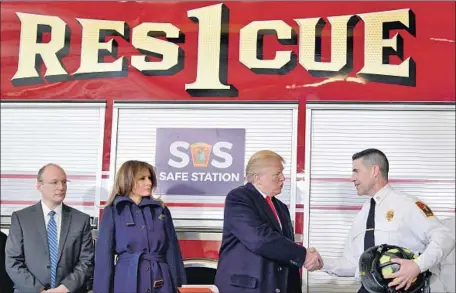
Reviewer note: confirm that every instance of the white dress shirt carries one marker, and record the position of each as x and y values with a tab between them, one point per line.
398	221
264	195
57	217
448	266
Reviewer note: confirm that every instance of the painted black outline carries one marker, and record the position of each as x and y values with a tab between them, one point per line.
223	62
41	30
351	24
387	52
180	55
290	65
103	53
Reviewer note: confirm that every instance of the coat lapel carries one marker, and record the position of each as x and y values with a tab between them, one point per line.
66	221
41	225
283	219
264	206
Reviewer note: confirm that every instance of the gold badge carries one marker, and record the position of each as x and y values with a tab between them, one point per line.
389	215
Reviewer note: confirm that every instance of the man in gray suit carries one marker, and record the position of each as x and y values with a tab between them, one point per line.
50	246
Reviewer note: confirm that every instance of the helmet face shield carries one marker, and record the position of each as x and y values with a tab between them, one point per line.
368	272
375	264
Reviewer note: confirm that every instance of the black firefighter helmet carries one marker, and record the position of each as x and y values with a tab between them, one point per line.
375	263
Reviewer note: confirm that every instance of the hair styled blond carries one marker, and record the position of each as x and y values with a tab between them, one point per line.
259	160
126	179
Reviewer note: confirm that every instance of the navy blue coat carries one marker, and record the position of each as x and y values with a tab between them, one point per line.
145	243
256	255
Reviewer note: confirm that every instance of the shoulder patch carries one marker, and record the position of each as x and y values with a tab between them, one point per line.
424	208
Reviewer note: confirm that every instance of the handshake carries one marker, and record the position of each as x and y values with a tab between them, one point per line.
313	260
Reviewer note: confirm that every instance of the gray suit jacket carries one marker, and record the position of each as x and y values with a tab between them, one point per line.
27	254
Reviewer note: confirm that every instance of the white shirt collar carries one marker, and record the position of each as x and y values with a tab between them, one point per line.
261	192
46	210
382	193
264	195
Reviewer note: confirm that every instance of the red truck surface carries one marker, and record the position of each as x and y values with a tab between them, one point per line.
89	85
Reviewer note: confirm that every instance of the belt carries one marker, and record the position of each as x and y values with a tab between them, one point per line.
134	259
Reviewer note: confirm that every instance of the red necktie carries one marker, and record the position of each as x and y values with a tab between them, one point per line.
271	205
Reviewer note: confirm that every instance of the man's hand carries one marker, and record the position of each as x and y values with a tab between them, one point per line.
59	289
313	260
407	273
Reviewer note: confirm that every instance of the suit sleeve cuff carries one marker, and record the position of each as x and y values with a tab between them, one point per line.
299	260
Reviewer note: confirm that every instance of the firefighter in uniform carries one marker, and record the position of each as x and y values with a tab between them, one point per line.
391	217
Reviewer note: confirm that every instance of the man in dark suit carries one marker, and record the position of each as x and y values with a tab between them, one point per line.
5	281
50	246
258	252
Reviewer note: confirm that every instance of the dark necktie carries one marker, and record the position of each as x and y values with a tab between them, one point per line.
369	238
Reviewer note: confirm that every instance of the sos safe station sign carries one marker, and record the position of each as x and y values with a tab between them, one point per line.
199	161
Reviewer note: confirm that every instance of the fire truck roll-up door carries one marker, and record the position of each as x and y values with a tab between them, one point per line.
33	134
270	126
419	141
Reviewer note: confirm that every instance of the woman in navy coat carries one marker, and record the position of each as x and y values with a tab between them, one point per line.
139	231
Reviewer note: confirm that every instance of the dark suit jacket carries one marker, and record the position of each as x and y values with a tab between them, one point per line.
27	253
5	281
256	255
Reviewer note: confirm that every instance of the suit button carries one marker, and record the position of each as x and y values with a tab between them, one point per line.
148	290
147	268
280	269
277	290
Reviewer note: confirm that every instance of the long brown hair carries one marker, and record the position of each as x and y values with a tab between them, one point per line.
126	179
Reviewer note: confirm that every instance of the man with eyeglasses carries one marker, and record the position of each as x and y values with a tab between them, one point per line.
49	246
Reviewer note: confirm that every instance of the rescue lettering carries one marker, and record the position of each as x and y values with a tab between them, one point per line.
162	40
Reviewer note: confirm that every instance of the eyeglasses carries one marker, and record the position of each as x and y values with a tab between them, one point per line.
56	182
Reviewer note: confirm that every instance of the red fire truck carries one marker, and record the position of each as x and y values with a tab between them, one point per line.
89	85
